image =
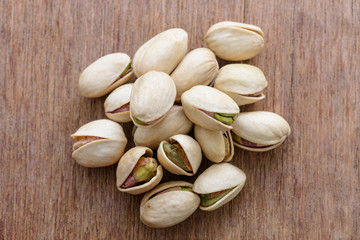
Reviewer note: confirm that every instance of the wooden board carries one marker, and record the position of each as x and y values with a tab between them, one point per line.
309	188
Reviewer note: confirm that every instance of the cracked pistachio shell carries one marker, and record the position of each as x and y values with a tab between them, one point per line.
211	100
219	177
198	67
127	164
234	41
241	80
104	75
174	122
161	53
192	150
267	129
102	152
152	96
169	208
213	145
118	98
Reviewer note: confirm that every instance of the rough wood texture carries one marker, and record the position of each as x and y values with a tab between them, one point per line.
306	189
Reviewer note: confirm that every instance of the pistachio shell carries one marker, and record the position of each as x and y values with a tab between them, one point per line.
211	100
174	122
161	53
152	96
240	80
102	76
234	41
118	98
127	164
169	208
198	67
213	145
192	150
103	152
266	129
217	178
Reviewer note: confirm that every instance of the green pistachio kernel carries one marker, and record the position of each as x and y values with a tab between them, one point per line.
146	172
211	198
126	70
177	155
138	121
227	119
236	137
188	189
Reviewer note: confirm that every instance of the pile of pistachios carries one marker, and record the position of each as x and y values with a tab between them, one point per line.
172	96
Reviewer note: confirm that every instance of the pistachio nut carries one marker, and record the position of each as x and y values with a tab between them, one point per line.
174	122
209	108
218	185
181	155
105	74
234	41
99	143
117	104
152	96
198	67
244	83
259	131
168	204
161	53
217	146
137	171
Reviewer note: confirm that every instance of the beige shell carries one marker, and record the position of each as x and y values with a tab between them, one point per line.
264	128
211	100
240	80
198	67
102	76
115	100
161	53
152	96
102	152
169	208
213	145
220	177
192	150
234	41
174	122
127	164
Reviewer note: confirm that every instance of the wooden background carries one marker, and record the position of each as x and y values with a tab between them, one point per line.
309	188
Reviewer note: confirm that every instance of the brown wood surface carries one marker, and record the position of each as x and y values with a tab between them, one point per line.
308	188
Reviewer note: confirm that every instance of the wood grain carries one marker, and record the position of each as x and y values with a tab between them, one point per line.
309	188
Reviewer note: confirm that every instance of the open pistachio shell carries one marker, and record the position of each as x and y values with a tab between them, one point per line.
220	177
174	122
198	67
200	102
234	41
127	164
99	143
192	155
244	83
217	146
117	104
168	204
161	53
105	74
260	131
152	96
